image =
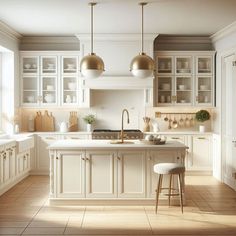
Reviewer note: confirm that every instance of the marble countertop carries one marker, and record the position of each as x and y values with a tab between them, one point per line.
105	144
7	142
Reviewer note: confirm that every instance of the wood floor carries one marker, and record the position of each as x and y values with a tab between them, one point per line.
210	210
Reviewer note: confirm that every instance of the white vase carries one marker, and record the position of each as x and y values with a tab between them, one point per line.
89	127
201	128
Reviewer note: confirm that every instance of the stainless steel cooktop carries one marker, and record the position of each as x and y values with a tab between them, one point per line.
115	134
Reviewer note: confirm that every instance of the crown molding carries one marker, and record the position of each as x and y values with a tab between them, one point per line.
9	32
229	29
49	39
176	39
117	37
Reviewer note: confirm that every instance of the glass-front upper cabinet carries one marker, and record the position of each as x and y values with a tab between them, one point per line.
69	90
69	64
183	90
183	65
49	65
29	90
49	90
30	65
204	65
165	65
204	90
165	88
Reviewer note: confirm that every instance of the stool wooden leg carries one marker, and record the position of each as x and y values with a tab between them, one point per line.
170	184
158	190
180	192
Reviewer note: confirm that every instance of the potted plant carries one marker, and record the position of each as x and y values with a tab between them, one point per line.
202	116
89	119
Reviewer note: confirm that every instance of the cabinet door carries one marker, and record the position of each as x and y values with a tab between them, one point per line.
42	162
183	65
12	156
20	163
155	157
201	158
27	161
165	65
6	167
101	174
131	174
70	174
204	65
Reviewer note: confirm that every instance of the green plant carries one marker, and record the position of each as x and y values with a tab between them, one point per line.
202	115
89	119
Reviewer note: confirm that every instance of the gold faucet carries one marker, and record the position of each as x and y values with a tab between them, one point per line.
122	124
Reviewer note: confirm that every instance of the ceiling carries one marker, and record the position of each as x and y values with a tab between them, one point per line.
68	17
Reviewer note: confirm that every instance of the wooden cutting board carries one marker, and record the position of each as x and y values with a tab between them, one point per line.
44	122
73	121
38	121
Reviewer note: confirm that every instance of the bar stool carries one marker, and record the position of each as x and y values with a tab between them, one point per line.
170	169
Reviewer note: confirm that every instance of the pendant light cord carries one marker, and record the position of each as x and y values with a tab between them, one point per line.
142	28
92	28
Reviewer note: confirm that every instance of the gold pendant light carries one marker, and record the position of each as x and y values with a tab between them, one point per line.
142	66
91	66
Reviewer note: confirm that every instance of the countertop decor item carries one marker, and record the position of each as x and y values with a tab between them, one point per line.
45	122
91	66
142	66
73	121
146	127
202	116
89	119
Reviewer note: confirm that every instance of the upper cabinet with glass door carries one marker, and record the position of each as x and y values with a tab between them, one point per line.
70	80
30	82
184	78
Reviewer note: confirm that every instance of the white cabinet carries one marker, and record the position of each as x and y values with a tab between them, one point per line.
199	157
42	153
6	167
131	174
23	162
184	78
101	174
70	174
51	79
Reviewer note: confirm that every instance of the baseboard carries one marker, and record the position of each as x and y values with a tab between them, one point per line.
39	172
231	183
12	183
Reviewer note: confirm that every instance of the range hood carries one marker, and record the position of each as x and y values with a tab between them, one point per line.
117	51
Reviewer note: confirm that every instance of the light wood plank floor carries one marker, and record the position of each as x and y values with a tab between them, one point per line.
210	210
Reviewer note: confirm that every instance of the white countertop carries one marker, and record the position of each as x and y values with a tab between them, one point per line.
7	141
105	144
179	132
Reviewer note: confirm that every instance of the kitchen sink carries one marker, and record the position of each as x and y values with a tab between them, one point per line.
120	142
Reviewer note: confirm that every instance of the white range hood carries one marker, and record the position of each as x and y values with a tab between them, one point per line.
117	52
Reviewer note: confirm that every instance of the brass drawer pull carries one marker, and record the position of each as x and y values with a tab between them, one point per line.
201	138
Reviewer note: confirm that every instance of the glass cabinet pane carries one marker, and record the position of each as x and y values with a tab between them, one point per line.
183	65
69	65
204	65
70	90
49	65
49	89
184	89
164	65
30	89
164	89
30	65
204	88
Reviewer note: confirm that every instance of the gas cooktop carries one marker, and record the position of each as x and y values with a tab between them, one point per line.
115	134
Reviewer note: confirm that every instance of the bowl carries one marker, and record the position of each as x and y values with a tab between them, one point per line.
27	66
203	87
72	86
181	87
50	87
30	98
70	66
166	86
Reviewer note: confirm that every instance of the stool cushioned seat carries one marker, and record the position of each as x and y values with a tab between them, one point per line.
169	168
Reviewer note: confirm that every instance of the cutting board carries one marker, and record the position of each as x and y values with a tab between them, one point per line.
73	121
38	121
44	122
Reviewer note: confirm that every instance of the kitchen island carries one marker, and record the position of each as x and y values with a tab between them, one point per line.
96	171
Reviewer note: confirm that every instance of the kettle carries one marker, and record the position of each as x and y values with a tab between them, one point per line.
63	127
